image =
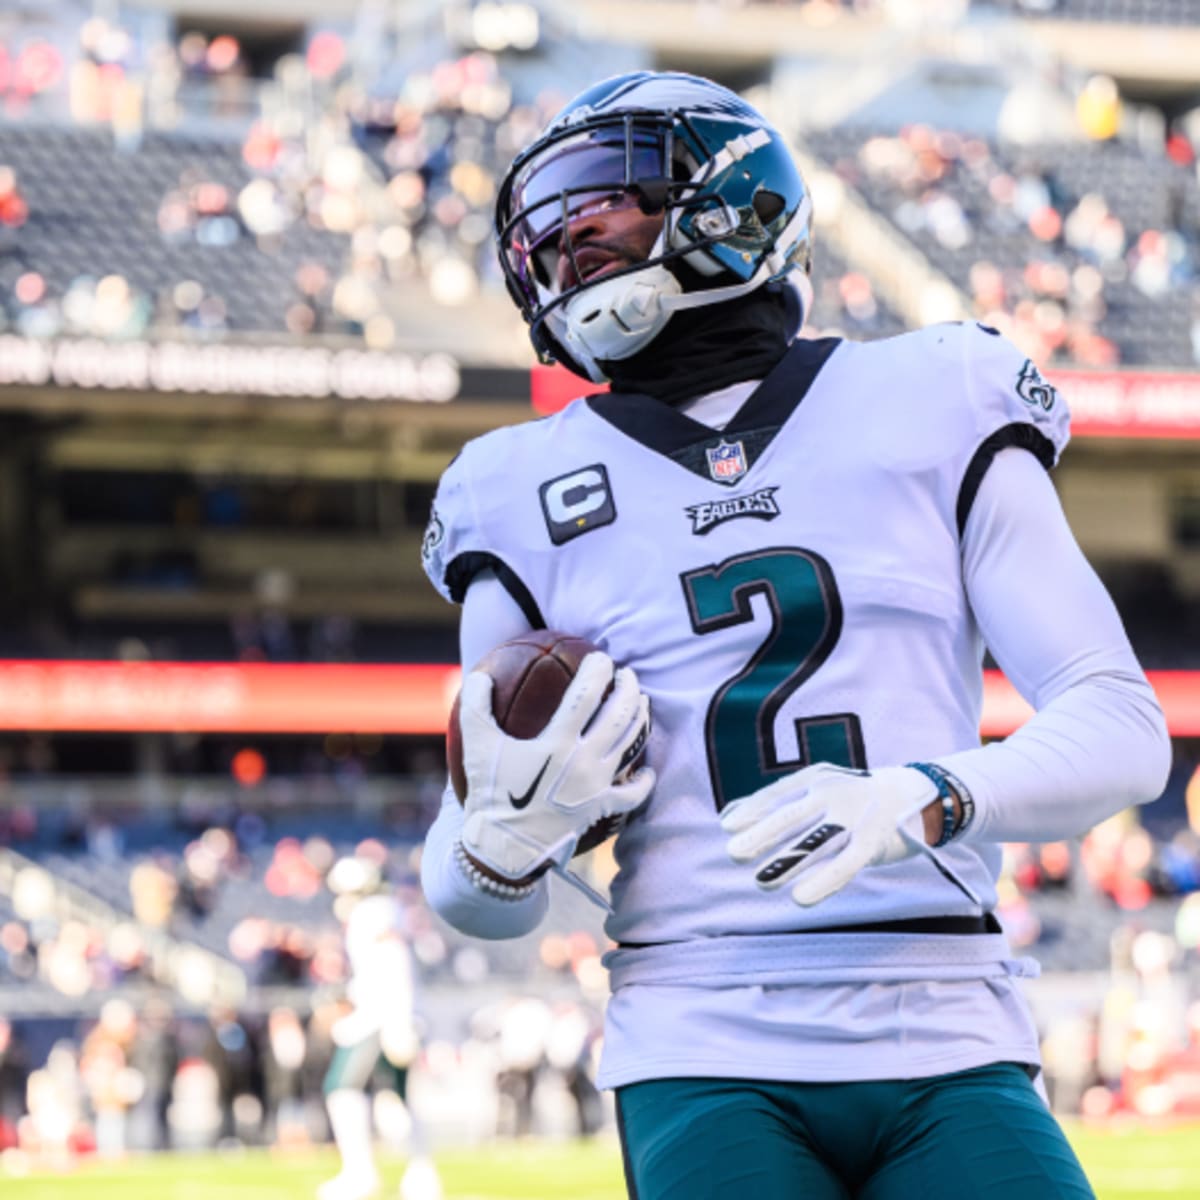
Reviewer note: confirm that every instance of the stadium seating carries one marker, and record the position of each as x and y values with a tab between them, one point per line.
160	224
1129	12
1067	927
846	302
216	237
1090	249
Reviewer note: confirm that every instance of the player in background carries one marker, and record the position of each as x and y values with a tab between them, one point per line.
377	1034
798	550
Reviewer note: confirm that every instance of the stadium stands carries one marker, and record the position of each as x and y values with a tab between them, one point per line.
260	900
275	233
180	236
119	243
1084	251
246	882
1125	12
846	303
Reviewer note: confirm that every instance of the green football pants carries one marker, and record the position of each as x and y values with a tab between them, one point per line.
983	1134
354	1067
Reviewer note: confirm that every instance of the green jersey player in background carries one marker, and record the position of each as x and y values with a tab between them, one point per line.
797	549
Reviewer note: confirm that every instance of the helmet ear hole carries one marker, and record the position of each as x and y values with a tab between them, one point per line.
768	205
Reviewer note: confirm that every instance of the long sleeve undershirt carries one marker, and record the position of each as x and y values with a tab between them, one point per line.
1096	744
489	616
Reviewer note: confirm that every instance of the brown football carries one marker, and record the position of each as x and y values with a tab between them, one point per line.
531	674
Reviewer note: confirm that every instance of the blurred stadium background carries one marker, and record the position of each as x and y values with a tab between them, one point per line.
248	312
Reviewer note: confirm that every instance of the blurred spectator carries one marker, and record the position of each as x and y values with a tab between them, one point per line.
1099	108
153	890
113	1086
154	1056
1181	1071
54	1130
14	1075
523	1026
1069	1061
194	1111
1117	856
571	1046
14	211
232	1054
284	1082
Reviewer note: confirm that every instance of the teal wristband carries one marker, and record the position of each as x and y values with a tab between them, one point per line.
948	789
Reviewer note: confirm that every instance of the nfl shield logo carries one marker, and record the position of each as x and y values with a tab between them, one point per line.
726	461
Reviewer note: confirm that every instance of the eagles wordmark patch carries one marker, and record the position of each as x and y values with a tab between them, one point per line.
576	503
708	514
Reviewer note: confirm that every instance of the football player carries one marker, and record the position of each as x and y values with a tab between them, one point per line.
377	1035
797	550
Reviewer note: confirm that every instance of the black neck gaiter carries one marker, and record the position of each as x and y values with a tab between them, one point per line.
702	350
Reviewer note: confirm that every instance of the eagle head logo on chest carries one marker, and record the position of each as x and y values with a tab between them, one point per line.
726	461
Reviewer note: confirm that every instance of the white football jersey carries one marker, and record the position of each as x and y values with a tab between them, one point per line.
788	589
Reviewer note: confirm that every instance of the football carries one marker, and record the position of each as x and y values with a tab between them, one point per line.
531	674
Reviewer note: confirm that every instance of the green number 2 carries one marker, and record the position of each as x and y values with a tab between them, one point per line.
806	621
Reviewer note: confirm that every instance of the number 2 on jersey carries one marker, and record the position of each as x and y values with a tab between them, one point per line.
806	621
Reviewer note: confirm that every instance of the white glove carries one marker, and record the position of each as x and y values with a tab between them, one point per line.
529	800
823	824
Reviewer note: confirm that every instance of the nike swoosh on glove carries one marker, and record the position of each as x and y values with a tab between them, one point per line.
529	799
823	824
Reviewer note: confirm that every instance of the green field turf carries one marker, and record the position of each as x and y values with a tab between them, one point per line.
1127	1165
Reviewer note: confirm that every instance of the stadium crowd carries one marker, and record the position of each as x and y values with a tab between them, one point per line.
301	226
1083	254
146	1078
149	1068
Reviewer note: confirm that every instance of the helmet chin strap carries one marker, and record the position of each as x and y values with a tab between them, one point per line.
614	318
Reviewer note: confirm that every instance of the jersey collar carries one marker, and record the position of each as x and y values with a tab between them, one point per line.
674	435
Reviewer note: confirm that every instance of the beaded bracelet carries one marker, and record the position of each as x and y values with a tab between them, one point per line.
948	787
484	883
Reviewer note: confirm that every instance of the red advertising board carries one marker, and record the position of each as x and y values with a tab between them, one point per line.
68	696
1131	404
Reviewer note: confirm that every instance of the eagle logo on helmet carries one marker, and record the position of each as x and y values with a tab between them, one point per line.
577	116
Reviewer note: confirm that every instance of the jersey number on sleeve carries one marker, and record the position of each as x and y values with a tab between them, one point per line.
806	621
